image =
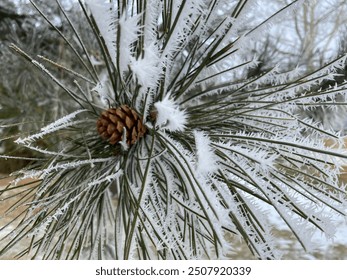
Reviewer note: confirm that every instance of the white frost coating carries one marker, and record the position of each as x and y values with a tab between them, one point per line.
206	159
147	70
129	31
170	117
108	178
124	143
153	10
188	12
102	91
69	165
62	121
57	125
102	13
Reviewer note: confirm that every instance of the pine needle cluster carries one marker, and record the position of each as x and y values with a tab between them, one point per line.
222	148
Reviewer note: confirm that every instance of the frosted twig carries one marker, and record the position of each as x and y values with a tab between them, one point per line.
57	125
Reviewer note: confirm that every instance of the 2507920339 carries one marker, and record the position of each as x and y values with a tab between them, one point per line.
215	270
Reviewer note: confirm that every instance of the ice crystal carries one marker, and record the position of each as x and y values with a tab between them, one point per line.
207	160
170	117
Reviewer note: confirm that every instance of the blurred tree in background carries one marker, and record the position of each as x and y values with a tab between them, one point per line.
25	96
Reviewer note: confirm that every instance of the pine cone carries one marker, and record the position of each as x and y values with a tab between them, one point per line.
111	123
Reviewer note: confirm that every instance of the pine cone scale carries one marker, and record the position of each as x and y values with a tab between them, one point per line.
111	128
120	113
105	114
114	118
120	127
114	138
129	122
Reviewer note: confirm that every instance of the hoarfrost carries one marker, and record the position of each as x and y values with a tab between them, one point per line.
206	159
170	117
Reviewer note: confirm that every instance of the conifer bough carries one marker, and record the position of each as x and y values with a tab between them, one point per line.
226	149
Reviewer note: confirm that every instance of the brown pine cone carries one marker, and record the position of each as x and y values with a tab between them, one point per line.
112	121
